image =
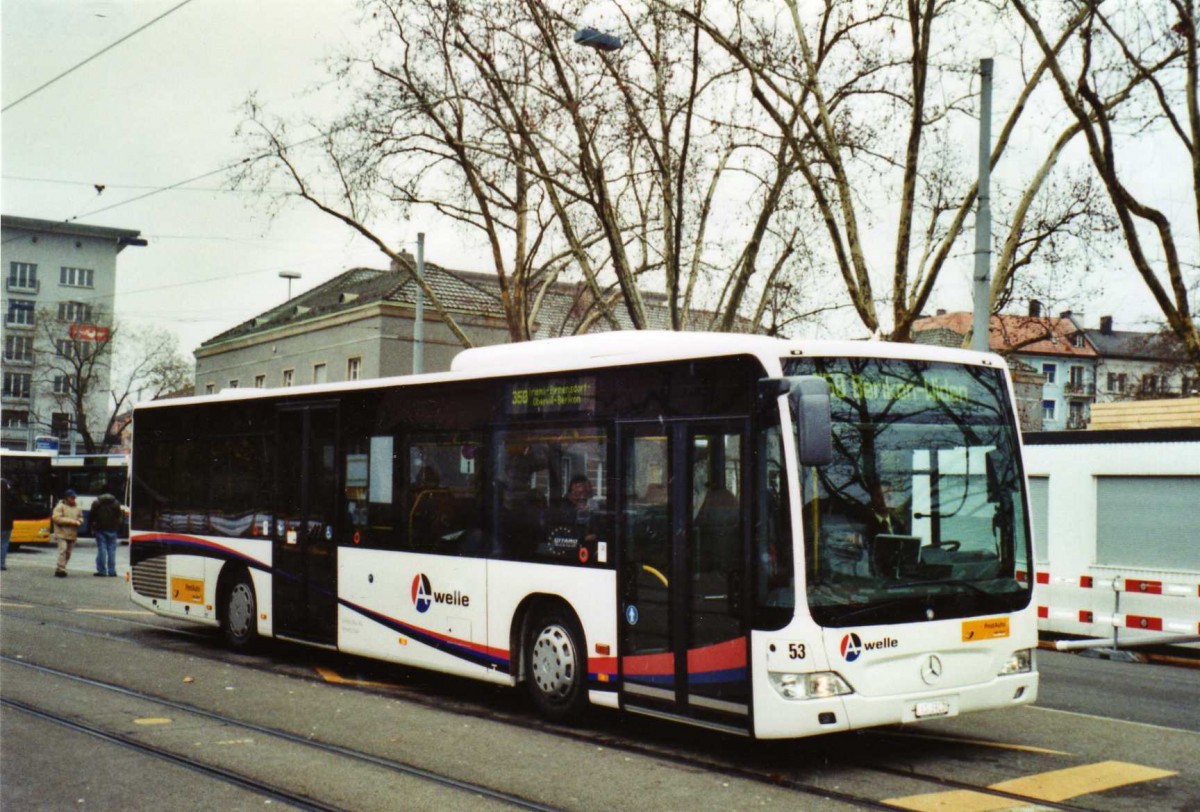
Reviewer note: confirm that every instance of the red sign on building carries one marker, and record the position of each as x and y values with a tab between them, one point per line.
89	332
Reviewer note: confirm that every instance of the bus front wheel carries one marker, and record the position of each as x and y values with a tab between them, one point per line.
238	615
556	665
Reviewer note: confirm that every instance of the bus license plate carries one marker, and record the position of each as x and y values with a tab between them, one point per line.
933	707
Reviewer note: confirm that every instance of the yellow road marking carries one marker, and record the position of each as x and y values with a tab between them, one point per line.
329	675
113	612
7	605
1056	785
152	720
1024	748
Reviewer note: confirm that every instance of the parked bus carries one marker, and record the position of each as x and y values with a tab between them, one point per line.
29	476
90	475
766	537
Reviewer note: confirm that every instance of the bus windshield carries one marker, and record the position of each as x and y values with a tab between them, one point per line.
921	513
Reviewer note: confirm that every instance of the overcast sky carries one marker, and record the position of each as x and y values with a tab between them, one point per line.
162	107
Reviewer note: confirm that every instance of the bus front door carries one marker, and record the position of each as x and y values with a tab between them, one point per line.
683	562
305	533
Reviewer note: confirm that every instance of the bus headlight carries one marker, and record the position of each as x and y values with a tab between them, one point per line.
820	685
1019	663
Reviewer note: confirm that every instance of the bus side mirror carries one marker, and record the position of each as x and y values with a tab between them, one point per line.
809	399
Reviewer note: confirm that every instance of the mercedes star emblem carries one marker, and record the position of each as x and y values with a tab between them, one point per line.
931	669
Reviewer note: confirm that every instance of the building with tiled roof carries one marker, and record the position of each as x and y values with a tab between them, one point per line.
1055	347
1140	365
359	325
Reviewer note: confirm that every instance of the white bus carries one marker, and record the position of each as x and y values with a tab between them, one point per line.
766	537
90	475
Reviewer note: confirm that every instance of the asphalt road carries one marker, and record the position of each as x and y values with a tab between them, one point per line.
1105	735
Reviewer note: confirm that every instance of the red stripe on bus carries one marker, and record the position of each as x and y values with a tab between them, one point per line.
1085	581
1043	577
1043	611
1085	616
1139	622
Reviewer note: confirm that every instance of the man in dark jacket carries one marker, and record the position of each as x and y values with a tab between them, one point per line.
105	518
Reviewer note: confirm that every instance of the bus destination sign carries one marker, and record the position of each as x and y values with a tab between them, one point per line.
573	395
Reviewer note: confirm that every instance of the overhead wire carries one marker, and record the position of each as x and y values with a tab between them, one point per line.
99	53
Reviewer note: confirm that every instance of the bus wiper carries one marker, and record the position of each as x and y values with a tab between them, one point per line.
871	607
971	585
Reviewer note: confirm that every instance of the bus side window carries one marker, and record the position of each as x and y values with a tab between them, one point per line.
443	499
552	495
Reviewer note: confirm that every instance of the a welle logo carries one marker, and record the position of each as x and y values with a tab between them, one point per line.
424	596
853	647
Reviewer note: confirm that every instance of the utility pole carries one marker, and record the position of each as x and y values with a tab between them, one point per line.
983	214
419	324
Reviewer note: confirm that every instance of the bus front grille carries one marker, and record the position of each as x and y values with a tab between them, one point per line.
150	577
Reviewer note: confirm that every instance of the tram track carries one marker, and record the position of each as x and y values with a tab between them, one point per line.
229	776
758	774
236	779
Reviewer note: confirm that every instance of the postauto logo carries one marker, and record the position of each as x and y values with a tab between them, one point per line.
853	646
423	595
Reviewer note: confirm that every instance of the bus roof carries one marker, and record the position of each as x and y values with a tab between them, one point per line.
618	348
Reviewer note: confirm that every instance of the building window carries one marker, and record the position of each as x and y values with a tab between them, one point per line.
353	369
15	420
1149	383
60	425
260	381
1048	409
1050	371
62	385
1077	340
18	348
22	276
1076	376
233	384
1116	382
319	375
208	388
1078	417
1189	387
66	348
17	384
76	277
76	312
289	376
20	312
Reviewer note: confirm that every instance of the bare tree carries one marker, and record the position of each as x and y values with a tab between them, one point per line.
1152	47
93	374
868	98
606	171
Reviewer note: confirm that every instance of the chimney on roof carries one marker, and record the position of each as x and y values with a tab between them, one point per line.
1106	325
1035	308
941	311
407	259
1066	314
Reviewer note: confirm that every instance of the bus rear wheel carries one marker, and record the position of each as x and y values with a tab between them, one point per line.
238	622
556	665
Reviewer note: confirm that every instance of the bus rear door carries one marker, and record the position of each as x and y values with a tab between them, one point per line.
304	535
684	530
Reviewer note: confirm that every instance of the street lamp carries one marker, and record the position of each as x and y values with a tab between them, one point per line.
591	38
289	276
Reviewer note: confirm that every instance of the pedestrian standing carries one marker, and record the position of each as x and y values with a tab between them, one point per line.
105	518
67	519
6	522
